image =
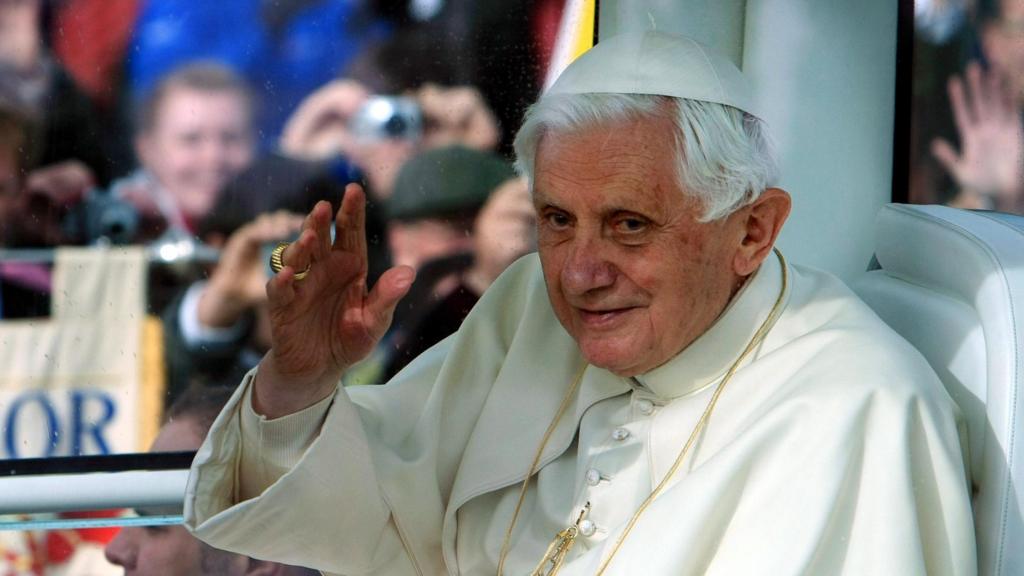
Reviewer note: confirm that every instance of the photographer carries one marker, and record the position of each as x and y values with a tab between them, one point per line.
338	120
215	329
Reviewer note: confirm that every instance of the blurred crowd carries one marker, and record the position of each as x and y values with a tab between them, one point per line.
967	112
217	126
220	124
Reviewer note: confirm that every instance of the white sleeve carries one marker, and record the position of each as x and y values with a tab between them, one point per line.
310	472
270	448
194	333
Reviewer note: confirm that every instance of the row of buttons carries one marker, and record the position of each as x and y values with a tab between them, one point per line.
594	476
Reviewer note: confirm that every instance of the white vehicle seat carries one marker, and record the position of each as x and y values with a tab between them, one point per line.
952	283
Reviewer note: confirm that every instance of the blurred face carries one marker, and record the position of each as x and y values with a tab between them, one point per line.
630	272
1004	44
19	32
417	242
199	141
170	550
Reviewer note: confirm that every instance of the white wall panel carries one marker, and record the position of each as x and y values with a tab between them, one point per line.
825	77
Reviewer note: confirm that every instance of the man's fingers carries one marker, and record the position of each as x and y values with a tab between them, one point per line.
946	155
350	226
278	226
957	100
381	301
281	288
299	254
978	97
321	219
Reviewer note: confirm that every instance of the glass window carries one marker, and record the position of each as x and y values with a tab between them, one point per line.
966	95
153	154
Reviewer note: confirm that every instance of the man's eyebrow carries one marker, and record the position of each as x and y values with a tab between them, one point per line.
540	199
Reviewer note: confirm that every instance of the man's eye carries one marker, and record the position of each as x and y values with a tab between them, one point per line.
630	225
557	220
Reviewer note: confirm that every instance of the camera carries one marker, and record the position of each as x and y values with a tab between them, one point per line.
388	117
101	216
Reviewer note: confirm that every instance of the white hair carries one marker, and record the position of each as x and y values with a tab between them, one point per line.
726	158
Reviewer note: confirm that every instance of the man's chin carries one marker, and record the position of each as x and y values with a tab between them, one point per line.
616	359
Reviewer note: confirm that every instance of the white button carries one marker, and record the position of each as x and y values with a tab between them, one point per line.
645	407
620	434
593	476
587	528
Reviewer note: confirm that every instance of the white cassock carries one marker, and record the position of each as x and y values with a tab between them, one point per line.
833	450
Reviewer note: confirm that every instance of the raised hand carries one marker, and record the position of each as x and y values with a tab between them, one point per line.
323	324
990	165
504	230
318	129
457	115
239	281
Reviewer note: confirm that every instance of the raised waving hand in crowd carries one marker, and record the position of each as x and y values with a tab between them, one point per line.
989	167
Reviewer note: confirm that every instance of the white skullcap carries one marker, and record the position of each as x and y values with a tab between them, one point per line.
658	64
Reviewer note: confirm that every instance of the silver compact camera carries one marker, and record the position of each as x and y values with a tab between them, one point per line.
388	118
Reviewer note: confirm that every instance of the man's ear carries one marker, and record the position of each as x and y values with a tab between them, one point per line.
761	223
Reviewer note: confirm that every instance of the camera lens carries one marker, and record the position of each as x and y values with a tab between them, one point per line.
396	126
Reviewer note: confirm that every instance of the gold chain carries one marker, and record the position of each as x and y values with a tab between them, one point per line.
563	541
533	466
559	548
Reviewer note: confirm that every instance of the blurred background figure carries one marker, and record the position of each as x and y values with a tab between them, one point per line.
437	196
171	550
987	103
377	133
65	126
194	133
967	136
24	289
63	136
459	217
217	329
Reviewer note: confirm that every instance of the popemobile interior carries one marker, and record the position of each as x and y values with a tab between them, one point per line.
833	80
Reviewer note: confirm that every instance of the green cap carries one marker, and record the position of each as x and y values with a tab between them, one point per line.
446	181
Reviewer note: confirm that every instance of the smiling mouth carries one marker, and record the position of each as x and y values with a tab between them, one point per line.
602	318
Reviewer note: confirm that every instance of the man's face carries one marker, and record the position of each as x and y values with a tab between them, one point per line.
631	274
198	142
170	550
418	242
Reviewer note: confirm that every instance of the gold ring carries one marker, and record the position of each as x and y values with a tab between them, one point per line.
277	264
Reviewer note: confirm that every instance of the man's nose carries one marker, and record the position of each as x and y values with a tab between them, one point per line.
214	152
122	551
587	268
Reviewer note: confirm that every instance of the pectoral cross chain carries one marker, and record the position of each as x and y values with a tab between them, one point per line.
559	548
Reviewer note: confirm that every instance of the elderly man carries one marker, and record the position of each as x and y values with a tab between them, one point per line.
657	393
